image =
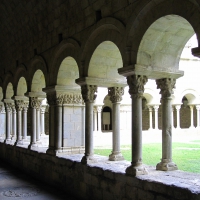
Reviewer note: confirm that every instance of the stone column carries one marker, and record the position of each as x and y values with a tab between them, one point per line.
115	94
58	124
166	85
35	105
38	124
24	122
8	122
172	117
198	109
95	118
99	109
14	122
89	94
42	120
178	107
19	106
136	89
150	118
192	117
156	116
2	112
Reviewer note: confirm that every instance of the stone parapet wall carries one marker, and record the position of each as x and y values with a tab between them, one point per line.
104	179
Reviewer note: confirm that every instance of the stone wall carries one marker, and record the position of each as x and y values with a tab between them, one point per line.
103	180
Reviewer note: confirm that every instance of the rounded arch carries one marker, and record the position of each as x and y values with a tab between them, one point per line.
191	95
37	63
38	81
8	79
137	26
9	91
67	48
21	87
68	72
20	72
107	29
152	97
105	61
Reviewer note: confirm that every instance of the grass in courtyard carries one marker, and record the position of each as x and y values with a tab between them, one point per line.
185	155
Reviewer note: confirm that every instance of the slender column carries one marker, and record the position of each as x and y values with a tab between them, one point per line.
99	109
35	104
95	118
178	107
172	117
89	94
136	89
19	106
24	127
2	111
192	118
198	109
8	121
59	113
150	118
38	124
166	85
156	116
14	122
115	94
42	122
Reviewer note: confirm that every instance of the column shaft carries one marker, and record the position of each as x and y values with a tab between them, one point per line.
99	118
156	117
14	123
178	116
59	131
33	131
24	128
150	118
192	117
19	125
38	124
8	125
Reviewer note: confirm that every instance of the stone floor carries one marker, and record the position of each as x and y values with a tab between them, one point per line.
15	185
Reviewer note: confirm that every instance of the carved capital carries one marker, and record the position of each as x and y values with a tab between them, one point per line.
166	86
19	104
78	99
89	93
2	109
115	94
136	85
8	107
60	99
36	103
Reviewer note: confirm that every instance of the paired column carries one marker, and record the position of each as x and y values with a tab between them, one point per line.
198	109
178	107
192	116
136	89
166	85
115	94
19	106
2	112
35	105
24	122
8	122
150	118
156	116
89	94
14	122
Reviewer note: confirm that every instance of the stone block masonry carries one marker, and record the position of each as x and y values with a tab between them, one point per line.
104	179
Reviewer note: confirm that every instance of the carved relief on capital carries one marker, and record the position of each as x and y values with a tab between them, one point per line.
9	107
89	93
36	103
115	94
19	104
166	86
2	109
136	85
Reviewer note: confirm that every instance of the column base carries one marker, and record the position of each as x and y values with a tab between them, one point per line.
116	156
136	170
33	145
166	165
53	152
88	159
8	141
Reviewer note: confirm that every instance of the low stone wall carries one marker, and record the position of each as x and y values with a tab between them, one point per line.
103	179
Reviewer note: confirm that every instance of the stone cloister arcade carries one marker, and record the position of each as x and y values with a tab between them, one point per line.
113	54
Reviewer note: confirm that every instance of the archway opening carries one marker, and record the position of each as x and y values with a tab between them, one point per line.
21	87
107	118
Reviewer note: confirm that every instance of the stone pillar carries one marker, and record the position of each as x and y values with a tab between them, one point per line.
42	120
136	89
156	116
178	107
192	117
166	85
8	122
150	118
99	109
14	122
3	130
95	119
19	106
35	105
24	122
115	94
198	109
89	94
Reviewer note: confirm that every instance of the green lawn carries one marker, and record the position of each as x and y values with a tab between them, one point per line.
186	156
